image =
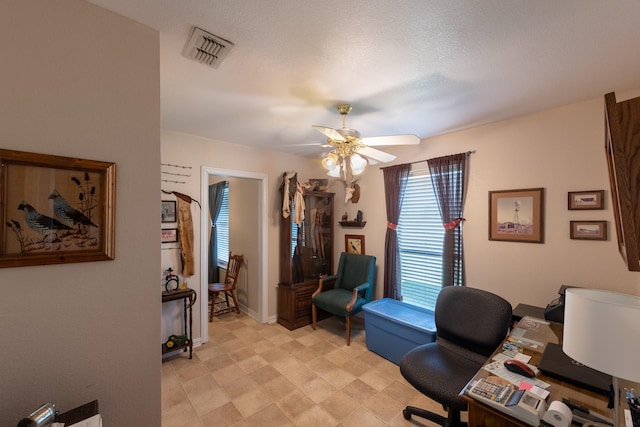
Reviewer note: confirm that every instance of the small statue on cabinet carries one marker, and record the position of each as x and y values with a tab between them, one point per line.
170	277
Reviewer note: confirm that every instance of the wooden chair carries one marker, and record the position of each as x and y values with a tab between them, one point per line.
228	288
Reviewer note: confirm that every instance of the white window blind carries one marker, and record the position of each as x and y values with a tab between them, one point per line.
420	235
222	228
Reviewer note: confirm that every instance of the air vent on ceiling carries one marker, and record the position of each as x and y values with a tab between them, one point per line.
206	48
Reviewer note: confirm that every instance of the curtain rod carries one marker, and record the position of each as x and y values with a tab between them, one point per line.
468	153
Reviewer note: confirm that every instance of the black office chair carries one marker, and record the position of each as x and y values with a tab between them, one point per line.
470	325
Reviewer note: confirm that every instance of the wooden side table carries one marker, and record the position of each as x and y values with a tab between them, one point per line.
189	296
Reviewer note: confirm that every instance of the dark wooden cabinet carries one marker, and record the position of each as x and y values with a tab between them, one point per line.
623	158
306	253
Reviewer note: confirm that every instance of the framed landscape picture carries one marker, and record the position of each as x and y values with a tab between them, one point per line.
517	215
55	210
588	230
586	200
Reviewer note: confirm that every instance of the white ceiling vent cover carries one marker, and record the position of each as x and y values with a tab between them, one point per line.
206	48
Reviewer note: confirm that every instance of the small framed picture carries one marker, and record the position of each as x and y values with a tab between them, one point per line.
517	215
588	230
168	211
354	244
169	235
586	200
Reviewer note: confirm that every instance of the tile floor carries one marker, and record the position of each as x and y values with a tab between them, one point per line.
250	374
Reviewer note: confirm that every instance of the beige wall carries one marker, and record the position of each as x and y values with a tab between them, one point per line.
561	150
79	81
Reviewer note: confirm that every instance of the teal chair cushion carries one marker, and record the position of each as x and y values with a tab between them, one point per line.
335	302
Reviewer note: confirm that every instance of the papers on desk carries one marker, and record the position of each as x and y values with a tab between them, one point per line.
95	421
497	368
532	333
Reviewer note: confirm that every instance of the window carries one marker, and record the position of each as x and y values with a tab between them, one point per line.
296	232
420	235
222	227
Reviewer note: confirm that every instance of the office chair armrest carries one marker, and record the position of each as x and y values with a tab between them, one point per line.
321	284
354	297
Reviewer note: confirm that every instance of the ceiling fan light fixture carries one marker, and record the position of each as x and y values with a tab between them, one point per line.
335	172
358	163
330	161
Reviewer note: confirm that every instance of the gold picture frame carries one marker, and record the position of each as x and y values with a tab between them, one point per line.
354	244
517	215
55	210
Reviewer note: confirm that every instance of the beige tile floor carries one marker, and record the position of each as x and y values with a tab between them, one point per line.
252	374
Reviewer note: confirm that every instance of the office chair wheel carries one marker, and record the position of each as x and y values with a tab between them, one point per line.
406	414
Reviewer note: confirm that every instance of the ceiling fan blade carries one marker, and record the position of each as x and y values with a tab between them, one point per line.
329	132
375	154
391	140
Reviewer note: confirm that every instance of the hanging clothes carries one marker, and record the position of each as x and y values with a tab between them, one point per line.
286	208
299	206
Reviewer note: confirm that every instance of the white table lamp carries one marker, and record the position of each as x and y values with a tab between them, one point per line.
602	331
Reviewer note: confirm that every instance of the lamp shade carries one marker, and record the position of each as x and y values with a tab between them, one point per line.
358	163
335	171
330	161
602	331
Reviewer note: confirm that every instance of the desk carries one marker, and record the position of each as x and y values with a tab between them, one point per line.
481	414
189	297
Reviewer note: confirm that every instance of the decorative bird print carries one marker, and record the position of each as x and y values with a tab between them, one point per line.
67	214
41	224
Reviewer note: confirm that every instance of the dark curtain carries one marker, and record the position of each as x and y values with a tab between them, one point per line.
395	183
448	175
216	191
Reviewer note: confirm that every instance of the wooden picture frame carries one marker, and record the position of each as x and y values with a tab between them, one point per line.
169	235
168	211
588	230
517	215
55	210
586	200
354	244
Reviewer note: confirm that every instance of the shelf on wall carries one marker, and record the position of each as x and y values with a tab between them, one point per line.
353	224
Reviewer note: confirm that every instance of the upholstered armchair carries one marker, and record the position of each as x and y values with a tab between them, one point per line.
353	286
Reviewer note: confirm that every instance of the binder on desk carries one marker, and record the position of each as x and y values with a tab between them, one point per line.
557	364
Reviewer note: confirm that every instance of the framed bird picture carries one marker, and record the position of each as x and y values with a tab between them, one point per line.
55	210
354	244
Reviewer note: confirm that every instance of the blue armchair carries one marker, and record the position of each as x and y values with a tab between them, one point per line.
353	286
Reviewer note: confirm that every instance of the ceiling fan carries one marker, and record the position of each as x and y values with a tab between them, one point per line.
347	142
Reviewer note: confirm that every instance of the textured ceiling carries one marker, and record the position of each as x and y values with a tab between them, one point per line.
411	66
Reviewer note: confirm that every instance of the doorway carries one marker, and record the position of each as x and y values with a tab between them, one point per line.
207	174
